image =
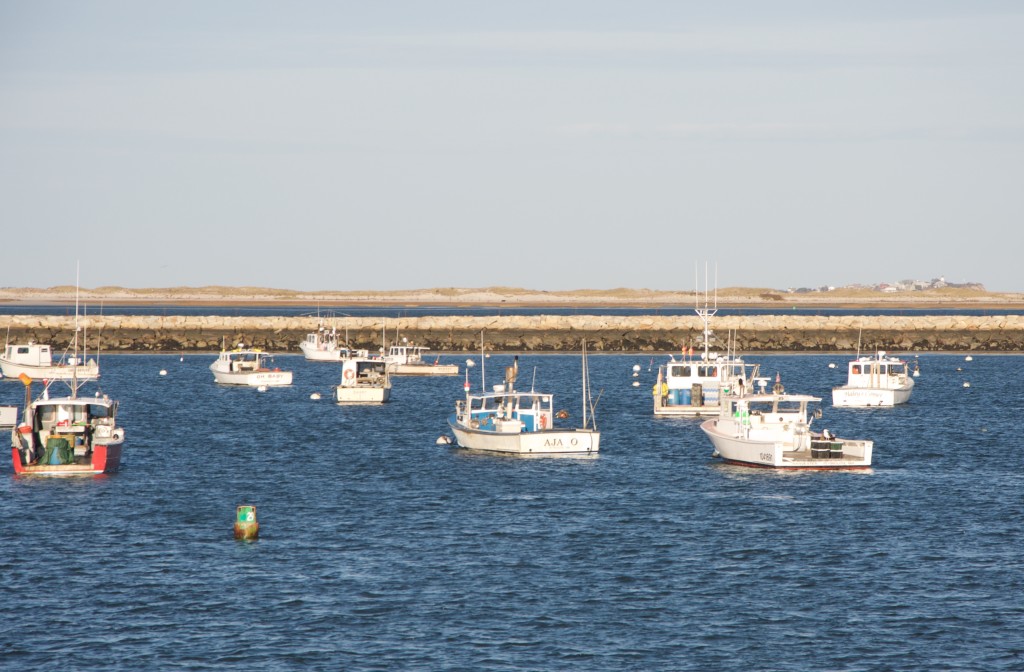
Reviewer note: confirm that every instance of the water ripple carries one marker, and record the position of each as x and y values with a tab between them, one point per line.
380	550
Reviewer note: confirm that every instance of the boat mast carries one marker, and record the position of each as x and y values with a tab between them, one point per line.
705	313
586	386
74	363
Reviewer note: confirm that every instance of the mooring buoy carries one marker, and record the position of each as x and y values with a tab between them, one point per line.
246	526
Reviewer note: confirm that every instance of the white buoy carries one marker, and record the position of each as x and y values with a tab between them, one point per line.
636	367
444	441
831	365
261	388
968	358
315	396
636	375
636	383
163	372
966	384
470	363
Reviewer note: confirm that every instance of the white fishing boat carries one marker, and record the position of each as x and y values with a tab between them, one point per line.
774	431
881	380
36	361
410	360
511	422
364	380
249	367
323	345
692	385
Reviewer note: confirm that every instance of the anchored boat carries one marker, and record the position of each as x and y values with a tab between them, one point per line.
36	361
774	431
508	421
248	366
66	436
408	360
364	380
874	381
692	385
323	345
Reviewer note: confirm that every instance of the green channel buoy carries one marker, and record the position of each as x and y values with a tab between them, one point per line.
246	525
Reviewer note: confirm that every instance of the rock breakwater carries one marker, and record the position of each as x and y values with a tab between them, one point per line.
535	333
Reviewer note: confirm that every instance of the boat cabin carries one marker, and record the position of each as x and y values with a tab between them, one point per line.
699	382
32	354
506	412
363	372
406	354
866	370
245	360
322	340
767	417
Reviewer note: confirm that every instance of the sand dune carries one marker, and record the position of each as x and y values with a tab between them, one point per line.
733	296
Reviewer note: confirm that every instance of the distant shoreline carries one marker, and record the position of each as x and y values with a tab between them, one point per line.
509	297
328	305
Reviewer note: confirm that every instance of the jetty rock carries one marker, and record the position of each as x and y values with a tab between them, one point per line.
535	333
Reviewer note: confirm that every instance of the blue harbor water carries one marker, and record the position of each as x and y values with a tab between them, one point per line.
380	550
393	311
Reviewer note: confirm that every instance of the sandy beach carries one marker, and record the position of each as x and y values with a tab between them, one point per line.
490	296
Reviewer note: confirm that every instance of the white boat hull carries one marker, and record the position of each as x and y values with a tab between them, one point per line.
541	442
321	355
778	454
686	410
423	369
88	371
864	397
254	378
362	395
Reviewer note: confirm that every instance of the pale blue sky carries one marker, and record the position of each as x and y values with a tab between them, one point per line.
547	145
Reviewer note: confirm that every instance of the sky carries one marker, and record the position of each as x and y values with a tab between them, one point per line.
550	145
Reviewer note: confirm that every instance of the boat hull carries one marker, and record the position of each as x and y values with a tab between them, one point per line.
320	355
423	369
254	378
105	459
361	395
540	442
686	410
777	454
865	397
82	372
